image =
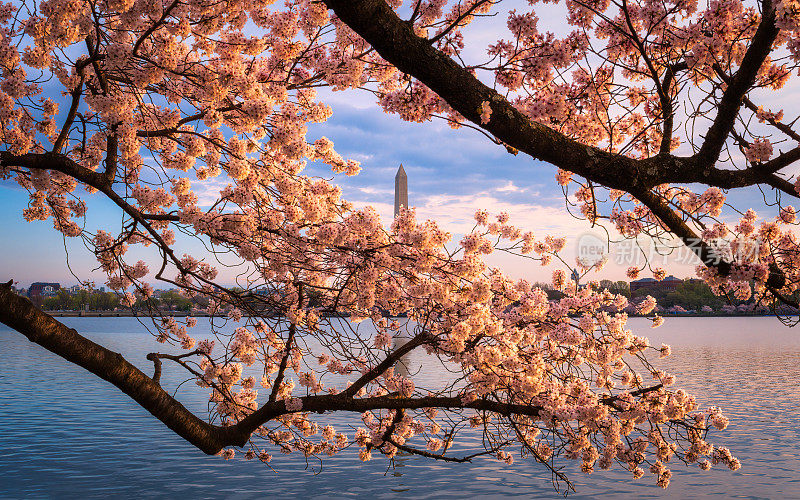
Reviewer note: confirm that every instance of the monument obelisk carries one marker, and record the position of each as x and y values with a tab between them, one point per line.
400	190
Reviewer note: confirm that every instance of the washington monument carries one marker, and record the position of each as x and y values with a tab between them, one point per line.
400	190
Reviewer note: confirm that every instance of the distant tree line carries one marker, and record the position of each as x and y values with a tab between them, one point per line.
93	300
689	295
81	300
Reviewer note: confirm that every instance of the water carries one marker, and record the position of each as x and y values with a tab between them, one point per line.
64	433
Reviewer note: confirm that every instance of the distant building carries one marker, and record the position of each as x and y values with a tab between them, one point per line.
668	283
43	289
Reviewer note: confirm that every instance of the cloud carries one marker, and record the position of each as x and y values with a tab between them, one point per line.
376	191
455	212
207	191
509	187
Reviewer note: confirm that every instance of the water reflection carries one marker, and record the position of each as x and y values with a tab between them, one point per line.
403	366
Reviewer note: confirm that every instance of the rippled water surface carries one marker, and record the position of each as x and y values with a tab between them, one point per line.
65	433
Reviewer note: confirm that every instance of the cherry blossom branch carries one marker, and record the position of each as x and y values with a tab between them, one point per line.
73	110
276	386
441	456
701	249
153	27
102	182
456	23
786	129
19	314
396	42
387	363
678	226
57	162
740	84
156	358
661	89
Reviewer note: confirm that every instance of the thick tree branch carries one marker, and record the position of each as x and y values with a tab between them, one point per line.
738	86
682	230
704	252
667	111
342	402
782	184
57	162
760	173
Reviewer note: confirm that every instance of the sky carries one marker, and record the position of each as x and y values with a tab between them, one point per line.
451	174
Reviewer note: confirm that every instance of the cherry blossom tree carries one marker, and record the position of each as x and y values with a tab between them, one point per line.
649	110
